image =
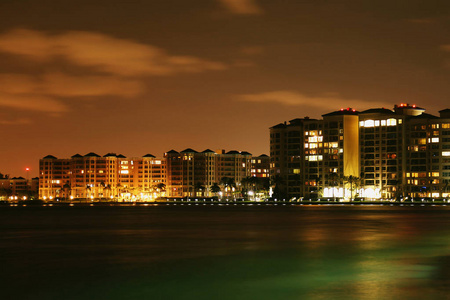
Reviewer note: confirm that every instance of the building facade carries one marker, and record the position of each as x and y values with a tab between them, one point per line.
373	154
101	177
177	174
18	188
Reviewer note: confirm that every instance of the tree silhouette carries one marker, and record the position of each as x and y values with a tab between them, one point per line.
354	182
199	187
215	188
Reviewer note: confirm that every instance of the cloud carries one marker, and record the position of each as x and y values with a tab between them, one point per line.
33	44
325	101
62	85
103	53
19	121
242	7
445	48
252	50
32	102
112	67
18	84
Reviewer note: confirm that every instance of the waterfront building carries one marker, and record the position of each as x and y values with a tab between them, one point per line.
376	153
18	188
260	166
177	174
191	173
95	177
287	157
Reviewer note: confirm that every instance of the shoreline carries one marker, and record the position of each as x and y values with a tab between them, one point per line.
36	203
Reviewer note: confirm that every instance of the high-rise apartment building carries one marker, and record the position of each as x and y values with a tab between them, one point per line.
380	153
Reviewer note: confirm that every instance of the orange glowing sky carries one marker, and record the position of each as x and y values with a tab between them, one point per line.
138	77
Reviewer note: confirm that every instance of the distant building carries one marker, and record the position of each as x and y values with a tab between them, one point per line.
178	174
92	176
191	173
261	166
18	188
381	153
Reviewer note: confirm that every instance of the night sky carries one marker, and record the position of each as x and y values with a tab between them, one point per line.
138	77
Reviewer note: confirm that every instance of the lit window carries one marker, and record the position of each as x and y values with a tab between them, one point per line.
369	123
124	172
435	140
391	122
445	153
383	122
377	123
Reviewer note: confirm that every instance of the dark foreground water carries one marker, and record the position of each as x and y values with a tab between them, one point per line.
225	252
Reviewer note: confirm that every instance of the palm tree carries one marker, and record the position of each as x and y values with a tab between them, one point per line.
118	190
108	189
67	190
353	181
334	181
276	182
215	188
102	184
88	191
199	187
228	183
160	187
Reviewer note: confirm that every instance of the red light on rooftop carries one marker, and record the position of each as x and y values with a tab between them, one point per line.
354	110
27	169
342	109
414	105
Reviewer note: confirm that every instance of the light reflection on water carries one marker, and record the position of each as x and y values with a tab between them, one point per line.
225	252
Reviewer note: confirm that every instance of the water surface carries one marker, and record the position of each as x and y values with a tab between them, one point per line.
225	252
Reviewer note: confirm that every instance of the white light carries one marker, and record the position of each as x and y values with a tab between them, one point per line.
369	123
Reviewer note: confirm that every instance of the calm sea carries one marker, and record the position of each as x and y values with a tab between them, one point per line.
225	252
